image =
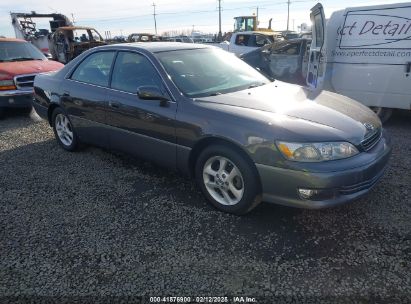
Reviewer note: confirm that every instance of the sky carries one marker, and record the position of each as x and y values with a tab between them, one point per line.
126	16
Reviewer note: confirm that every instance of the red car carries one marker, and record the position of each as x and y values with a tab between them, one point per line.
20	62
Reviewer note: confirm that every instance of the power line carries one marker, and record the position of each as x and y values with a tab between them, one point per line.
270	4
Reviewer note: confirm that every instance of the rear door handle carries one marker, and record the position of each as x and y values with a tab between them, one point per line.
114	104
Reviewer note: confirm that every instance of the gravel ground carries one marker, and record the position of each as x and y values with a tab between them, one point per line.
97	225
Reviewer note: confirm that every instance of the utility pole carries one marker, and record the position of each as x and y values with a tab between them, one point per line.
288	14
72	16
154	14
257	18
219	21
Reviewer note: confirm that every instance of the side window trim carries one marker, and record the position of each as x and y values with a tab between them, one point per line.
110	76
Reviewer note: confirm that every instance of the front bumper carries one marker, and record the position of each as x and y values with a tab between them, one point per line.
281	185
16	99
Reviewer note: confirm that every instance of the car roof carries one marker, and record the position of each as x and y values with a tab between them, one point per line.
156	47
11	40
147	34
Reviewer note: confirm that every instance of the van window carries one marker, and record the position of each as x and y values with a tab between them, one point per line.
319	31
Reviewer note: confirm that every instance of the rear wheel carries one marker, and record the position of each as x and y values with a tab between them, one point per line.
383	113
64	131
228	180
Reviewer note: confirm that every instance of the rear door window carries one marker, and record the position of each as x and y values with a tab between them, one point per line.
95	69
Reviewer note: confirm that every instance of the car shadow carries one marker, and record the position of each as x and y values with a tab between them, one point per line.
95	217
18	118
121	195
399	118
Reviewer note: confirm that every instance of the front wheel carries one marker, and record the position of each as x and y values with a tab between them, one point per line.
228	180
64	131
383	113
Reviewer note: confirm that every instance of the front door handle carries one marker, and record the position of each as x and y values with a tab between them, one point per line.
114	104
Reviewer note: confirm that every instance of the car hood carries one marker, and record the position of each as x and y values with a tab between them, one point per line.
324	108
29	67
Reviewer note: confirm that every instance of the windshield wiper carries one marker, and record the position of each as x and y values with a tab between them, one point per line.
23	59
215	94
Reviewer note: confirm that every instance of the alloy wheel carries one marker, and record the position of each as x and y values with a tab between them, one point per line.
223	180
64	130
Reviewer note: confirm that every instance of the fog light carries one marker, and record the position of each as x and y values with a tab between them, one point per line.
307	193
317	194
11	100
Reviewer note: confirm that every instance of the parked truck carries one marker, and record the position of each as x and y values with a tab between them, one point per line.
244	42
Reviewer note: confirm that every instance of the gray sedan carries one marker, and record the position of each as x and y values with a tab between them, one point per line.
209	115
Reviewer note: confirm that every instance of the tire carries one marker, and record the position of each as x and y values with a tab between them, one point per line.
383	113
64	131
235	188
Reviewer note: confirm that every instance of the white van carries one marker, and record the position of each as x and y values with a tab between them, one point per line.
365	54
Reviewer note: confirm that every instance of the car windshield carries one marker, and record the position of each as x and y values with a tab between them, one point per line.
208	72
19	51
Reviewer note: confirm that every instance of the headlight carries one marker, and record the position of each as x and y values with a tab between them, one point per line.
7	84
316	152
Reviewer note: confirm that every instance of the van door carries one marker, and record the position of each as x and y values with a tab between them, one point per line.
316	62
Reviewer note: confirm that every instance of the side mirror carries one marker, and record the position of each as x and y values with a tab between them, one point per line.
152	93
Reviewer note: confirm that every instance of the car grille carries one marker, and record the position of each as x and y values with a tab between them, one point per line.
371	139
24	82
361	186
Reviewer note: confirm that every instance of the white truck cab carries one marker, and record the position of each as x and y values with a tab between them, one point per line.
244	42
365	54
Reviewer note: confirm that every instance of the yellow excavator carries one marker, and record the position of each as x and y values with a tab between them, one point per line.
249	23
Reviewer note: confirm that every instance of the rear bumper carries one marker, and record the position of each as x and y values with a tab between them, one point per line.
41	111
281	186
15	99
